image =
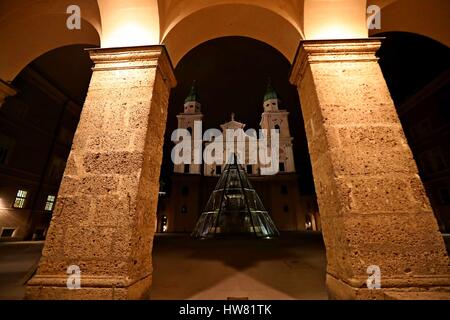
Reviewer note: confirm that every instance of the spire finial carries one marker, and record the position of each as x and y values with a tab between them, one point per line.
232	116
269	84
194	86
270	91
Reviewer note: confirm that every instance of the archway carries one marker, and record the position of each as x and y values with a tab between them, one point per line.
30	29
231	76
117	149
426	18
38	123
214	22
32	35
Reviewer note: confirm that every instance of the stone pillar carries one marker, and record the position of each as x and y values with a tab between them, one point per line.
105	216
5	91
373	206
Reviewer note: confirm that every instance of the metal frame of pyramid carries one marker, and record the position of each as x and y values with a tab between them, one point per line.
234	208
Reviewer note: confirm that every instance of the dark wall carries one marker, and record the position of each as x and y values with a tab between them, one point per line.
417	71
36	131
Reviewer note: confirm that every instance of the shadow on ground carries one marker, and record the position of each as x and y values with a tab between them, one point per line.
289	267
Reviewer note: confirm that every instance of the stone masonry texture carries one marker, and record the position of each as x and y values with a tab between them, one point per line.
105	215
372	202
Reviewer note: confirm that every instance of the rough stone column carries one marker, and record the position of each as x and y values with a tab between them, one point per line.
373	206
5	91
105	215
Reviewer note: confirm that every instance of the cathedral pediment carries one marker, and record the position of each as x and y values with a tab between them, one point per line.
233	124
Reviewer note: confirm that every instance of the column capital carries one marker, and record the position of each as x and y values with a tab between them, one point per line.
330	51
154	56
6	90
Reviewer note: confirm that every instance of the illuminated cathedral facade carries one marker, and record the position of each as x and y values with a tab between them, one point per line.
193	183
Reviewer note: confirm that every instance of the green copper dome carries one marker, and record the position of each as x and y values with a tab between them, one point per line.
271	94
193	94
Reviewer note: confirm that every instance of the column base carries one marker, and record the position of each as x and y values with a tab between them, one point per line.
339	290
92	288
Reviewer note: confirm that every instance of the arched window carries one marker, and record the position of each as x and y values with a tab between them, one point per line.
277	127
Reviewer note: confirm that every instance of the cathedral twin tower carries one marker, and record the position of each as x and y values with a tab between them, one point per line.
272	118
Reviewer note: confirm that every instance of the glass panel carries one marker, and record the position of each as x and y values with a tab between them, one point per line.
234	208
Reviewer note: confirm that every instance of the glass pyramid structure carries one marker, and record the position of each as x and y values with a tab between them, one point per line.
234	208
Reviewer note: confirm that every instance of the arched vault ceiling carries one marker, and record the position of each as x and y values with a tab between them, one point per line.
174	11
380	3
232	20
30	28
428	18
13	10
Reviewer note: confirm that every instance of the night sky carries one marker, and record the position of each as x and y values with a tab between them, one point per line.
231	75
409	62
